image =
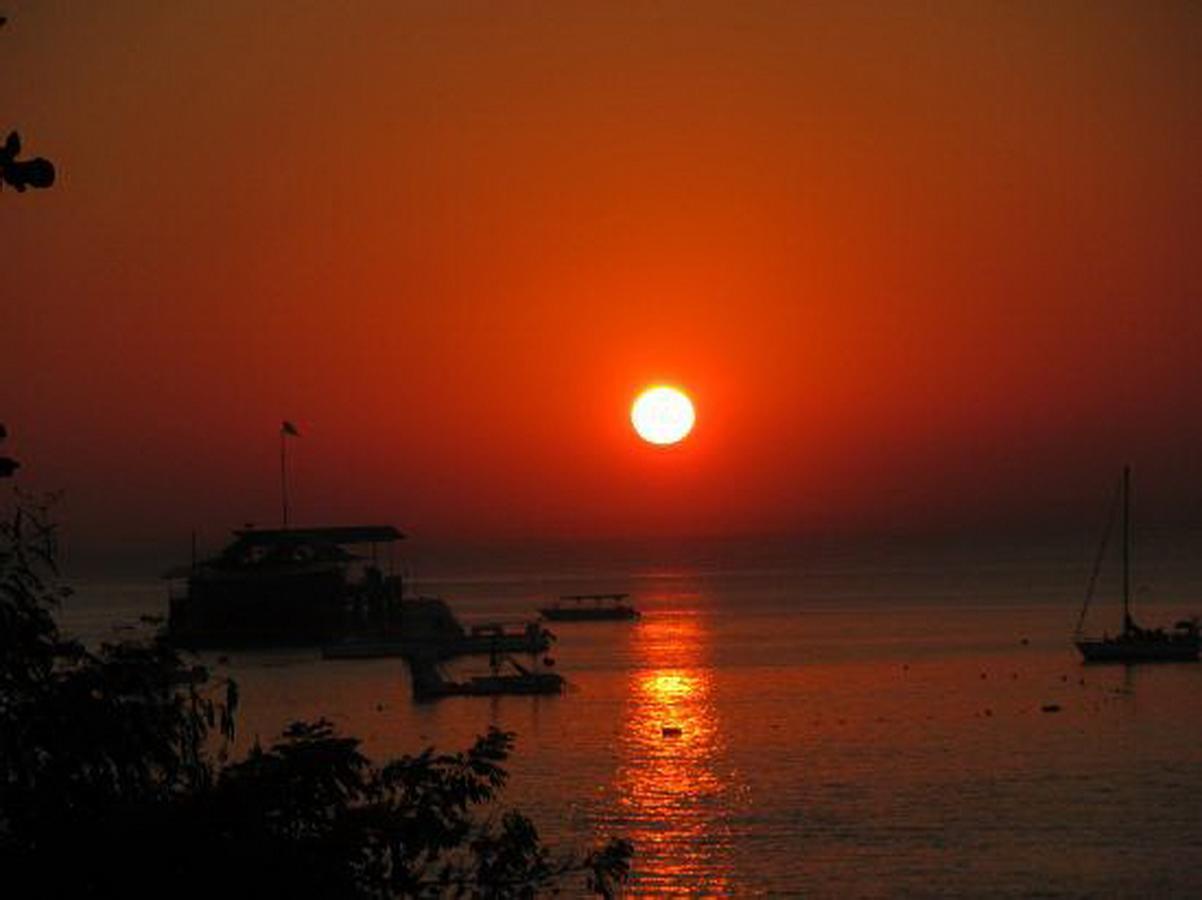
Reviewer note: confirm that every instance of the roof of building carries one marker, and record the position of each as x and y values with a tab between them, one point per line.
339	534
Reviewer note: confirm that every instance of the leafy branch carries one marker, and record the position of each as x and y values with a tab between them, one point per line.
22	173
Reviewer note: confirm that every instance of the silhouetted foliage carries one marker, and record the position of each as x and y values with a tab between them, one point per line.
22	173
8	465
115	781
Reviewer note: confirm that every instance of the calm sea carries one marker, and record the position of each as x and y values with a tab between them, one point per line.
865	723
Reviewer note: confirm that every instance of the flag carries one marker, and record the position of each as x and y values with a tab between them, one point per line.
288	428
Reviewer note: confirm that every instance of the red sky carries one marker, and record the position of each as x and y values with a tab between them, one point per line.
920	265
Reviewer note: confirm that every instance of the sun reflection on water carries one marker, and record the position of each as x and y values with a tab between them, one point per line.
673	790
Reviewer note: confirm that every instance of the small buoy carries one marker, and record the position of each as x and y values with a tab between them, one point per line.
1024	642
988	712
1050	707
670	731
379	707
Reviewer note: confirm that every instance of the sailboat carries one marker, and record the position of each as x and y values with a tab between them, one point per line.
1133	643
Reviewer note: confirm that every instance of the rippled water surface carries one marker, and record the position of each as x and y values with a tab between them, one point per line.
836	728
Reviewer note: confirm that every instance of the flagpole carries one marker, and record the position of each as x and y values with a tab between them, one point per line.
283	476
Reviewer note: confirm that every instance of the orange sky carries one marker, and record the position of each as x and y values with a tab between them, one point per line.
920	265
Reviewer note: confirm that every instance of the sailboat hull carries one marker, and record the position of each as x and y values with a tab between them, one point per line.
1128	650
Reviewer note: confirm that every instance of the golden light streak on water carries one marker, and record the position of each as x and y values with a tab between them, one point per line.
672	787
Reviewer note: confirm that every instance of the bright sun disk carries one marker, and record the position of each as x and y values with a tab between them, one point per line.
662	415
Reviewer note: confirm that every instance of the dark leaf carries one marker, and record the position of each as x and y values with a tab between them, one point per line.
35	173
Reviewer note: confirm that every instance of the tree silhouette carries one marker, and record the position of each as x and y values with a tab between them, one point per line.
8	465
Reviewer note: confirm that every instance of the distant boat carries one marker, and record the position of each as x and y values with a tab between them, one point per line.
429	684
1133	643
416	636
590	608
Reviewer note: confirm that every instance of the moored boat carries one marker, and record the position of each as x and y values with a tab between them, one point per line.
590	608
443	644
429	683
1133	643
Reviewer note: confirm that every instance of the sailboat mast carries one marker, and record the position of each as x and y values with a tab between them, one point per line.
1126	548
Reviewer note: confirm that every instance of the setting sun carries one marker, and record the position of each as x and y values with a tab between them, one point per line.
695	392
662	415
